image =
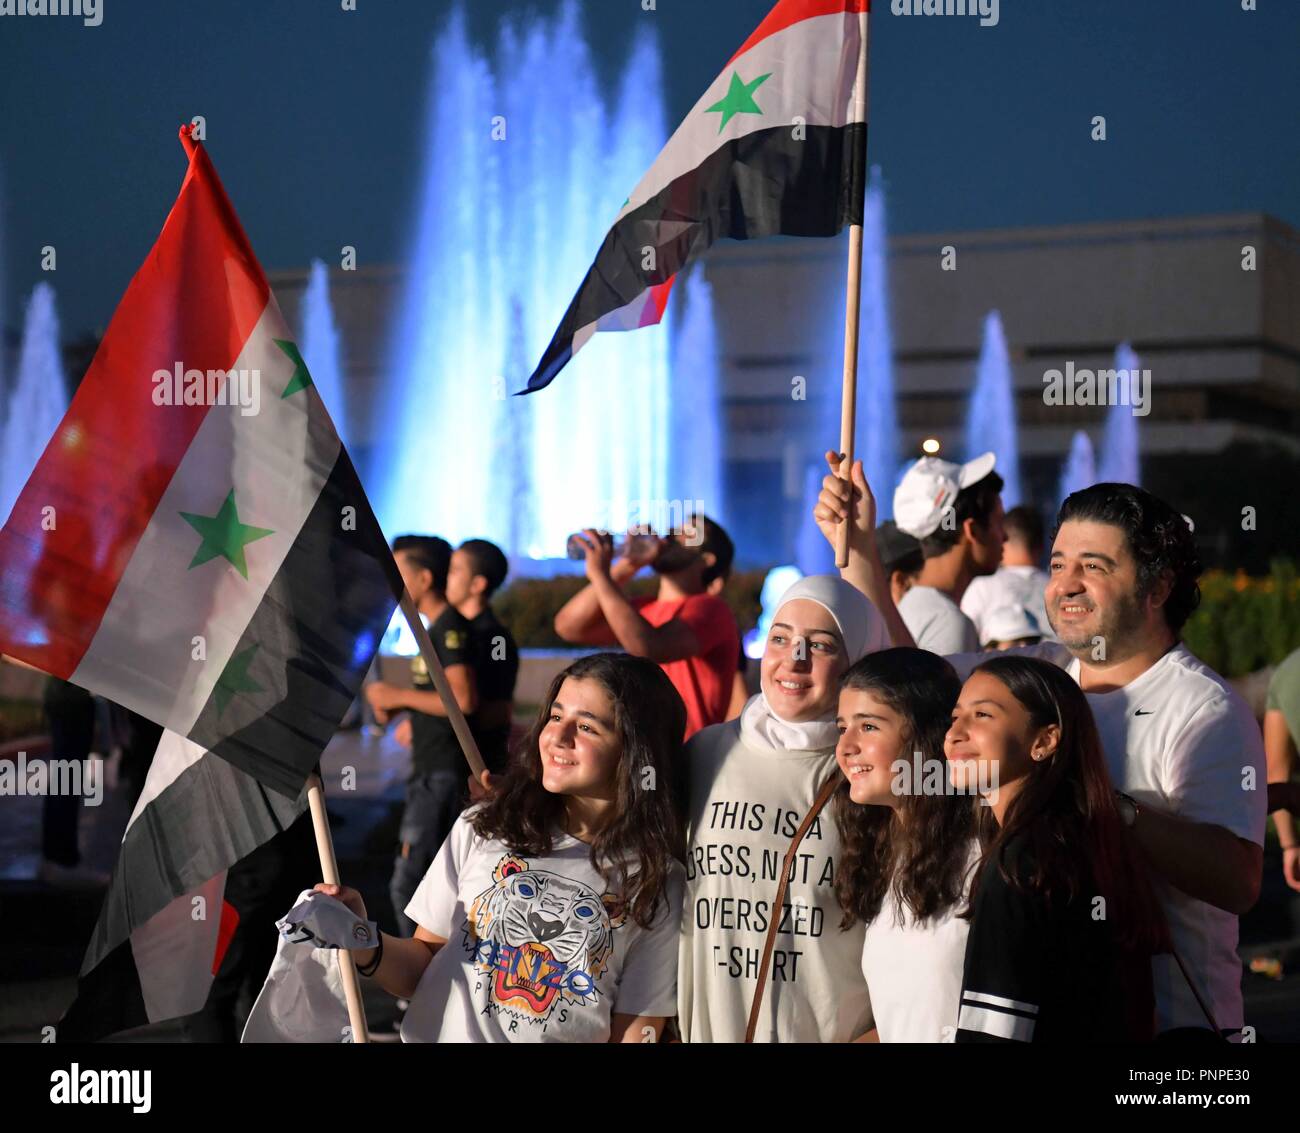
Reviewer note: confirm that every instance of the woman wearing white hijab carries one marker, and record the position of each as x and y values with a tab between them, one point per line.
751	781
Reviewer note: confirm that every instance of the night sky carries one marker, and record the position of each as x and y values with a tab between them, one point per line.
315	118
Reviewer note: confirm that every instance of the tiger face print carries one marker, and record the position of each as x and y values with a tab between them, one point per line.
541	937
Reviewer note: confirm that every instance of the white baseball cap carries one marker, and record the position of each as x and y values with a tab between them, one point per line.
930	487
1009	623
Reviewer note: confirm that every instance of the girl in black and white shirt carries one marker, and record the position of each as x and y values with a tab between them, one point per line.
1063	919
908	841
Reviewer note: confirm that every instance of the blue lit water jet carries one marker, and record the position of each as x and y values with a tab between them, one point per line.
1119	443
320	347
812	554
38	397
525	171
1080	469
876	441
991	415
695	439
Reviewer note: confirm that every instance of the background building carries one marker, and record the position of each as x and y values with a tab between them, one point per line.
1222	344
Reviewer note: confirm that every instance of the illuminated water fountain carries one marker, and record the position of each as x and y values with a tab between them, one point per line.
38	397
527	163
991	416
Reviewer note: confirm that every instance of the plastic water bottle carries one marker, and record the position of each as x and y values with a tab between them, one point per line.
636	545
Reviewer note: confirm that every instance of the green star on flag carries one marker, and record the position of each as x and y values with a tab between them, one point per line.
224	535
301	378
739	99
234	679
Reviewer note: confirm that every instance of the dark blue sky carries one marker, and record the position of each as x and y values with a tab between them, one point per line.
314	118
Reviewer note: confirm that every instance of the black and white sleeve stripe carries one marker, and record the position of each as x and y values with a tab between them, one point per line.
997	1016
1007	953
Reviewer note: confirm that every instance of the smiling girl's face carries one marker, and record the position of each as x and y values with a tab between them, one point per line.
992	741
579	744
803	661
873	736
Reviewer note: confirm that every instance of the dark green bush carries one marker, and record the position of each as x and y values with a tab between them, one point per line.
1245	624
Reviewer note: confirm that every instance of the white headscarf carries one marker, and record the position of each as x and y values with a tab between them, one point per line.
862	630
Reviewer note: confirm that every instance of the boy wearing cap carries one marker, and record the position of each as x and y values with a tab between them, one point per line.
955	511
1009	627
1018	583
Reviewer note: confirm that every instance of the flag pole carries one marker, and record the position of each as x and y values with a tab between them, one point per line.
329	869
440	683
853	304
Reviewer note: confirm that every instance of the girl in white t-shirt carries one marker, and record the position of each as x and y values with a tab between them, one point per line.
908	841
551	912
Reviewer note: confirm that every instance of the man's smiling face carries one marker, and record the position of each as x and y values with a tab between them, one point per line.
1093	590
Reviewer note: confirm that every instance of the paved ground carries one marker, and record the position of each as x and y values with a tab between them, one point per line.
45	930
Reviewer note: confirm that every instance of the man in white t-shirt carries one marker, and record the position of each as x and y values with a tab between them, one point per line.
1181	745
955	510
1018	583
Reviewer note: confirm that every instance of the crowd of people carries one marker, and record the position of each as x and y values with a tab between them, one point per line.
1043	816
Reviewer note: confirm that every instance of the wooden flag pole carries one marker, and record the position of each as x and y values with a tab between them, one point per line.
329	869
320	822
853	305
440	683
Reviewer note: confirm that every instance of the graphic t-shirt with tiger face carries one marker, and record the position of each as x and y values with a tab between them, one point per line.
537	950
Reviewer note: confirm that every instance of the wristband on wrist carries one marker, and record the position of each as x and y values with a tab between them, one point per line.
373	966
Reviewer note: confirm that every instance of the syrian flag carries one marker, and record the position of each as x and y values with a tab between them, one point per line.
194	542
165	924
777	146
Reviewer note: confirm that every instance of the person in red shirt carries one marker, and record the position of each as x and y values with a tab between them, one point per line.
690	632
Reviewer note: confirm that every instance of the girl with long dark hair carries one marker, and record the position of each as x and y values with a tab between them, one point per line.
1063	918
552	911
908	841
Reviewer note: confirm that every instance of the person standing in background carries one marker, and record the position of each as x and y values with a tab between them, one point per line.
1281	734
690	632
437	788
1018	583
478	569
956	513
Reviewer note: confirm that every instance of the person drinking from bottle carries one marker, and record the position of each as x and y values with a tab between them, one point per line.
688	631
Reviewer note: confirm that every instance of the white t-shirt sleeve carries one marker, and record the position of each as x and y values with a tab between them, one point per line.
1207	770
648	985
434	902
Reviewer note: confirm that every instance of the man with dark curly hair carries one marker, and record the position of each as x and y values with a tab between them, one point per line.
1183	747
